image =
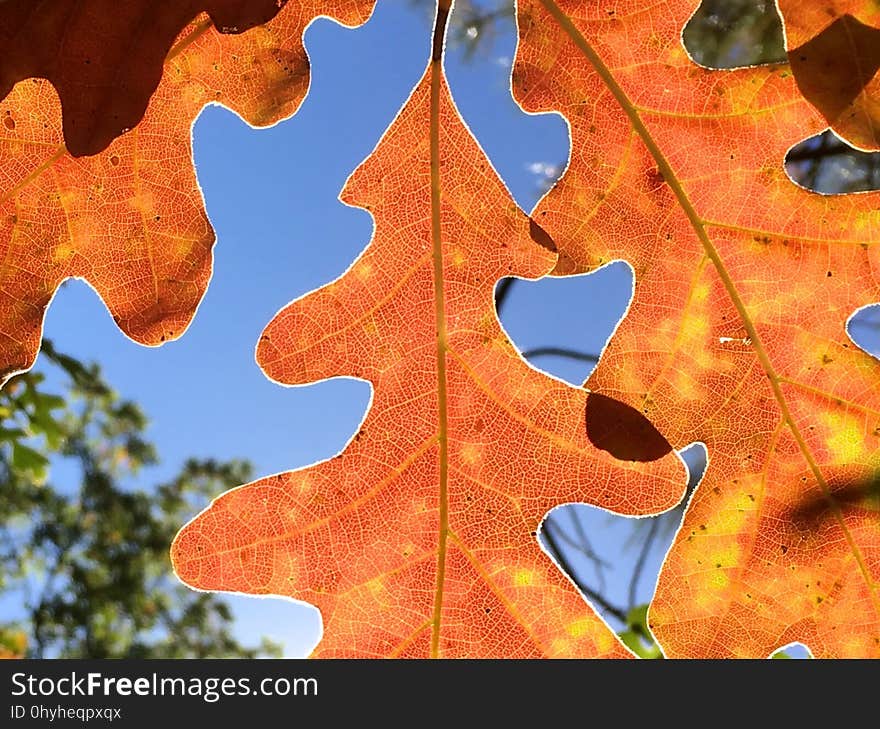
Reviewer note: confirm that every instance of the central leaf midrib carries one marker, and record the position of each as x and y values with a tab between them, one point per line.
699	228
436	71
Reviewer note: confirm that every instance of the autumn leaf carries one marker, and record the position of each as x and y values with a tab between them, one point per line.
736	336
105	58
419	539
804	21
129	220
834	50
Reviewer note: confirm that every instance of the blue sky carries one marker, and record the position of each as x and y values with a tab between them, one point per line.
272	198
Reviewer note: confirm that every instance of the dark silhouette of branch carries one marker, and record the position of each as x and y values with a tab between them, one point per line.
583	546
550	539
502	293
829	165
821	151
587	548
561	352
640	563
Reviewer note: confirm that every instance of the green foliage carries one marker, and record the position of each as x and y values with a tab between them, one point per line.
637	637
87	557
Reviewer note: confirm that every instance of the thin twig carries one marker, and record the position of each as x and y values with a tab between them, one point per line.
502	292
566	566
640	562
588	549
560	352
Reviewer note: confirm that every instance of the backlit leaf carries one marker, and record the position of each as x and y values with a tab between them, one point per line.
834	49
130	219
419	539
737	332
105	57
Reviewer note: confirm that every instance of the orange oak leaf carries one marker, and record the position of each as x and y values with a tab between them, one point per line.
736	336
419	539
834	50
131	220
105	58
803	21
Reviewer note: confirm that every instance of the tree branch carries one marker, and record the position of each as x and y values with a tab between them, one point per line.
566	566
560	352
